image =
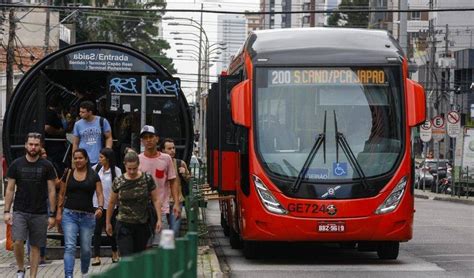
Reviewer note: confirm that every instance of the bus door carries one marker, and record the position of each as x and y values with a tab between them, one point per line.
223	154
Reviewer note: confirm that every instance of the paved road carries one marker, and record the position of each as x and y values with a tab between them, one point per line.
443	246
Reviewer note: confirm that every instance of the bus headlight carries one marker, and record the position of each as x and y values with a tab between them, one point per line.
392	201
267	198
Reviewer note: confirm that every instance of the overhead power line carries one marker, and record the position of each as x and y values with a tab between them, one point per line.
241	13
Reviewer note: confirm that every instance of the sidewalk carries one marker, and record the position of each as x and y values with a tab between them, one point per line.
207	263
443	197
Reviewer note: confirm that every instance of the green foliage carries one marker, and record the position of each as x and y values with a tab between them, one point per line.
357	20
137	29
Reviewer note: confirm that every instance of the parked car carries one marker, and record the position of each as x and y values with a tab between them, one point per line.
431	170
423	177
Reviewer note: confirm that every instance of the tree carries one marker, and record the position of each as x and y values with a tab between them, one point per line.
136	29
358	20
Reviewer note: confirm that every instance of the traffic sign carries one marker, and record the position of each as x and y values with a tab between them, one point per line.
452	117
438	122
439	128
426	125
453	124
425	131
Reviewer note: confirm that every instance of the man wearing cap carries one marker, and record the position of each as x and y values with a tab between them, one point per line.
160	166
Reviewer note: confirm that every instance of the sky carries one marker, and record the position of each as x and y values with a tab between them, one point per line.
187	69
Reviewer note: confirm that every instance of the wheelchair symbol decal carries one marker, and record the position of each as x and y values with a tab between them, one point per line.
339	169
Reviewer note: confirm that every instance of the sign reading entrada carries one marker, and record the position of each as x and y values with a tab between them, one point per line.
105	60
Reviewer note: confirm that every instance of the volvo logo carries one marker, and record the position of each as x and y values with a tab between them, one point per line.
331	192
331	209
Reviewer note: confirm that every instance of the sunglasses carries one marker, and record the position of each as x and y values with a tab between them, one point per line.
35	135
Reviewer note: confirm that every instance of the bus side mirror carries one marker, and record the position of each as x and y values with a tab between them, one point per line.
240	103
416	103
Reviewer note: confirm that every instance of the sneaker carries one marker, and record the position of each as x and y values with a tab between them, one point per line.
20	274
85	275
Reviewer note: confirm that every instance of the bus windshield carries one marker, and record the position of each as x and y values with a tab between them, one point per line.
295	106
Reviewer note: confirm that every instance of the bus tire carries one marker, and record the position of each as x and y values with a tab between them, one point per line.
388	250
234	239
250	249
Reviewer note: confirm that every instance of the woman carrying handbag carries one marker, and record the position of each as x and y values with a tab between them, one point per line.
76	212
132	192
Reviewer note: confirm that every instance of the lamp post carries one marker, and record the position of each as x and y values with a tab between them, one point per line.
198	123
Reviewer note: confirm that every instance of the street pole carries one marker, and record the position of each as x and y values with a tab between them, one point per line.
198	92
402	35
143	106
447	139
10	53
201	112
47	29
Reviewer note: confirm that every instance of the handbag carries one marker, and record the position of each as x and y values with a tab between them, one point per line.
152	217
9	239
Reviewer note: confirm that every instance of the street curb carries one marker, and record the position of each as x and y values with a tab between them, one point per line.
421	196
446	199
215	266
462	201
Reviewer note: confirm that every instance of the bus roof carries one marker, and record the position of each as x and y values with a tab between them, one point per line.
325	46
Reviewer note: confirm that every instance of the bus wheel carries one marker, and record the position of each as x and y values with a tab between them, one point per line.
250	249
388	250
224	225
234	238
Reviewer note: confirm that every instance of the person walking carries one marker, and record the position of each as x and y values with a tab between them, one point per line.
33	177
160	166
76	212
133	191
168	147
44	155
89	132
107	171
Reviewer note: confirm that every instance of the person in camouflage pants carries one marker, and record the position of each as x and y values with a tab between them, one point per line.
132	191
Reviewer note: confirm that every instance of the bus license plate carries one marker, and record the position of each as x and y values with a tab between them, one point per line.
331	227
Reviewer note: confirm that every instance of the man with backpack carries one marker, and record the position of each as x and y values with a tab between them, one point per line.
91	132
168	147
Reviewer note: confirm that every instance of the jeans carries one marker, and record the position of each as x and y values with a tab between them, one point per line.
75	222
175	224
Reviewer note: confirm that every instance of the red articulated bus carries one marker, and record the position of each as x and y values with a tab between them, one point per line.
309	137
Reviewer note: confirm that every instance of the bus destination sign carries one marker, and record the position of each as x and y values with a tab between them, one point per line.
325	76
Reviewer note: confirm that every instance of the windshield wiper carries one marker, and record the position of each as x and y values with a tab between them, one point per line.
321	140
341	140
